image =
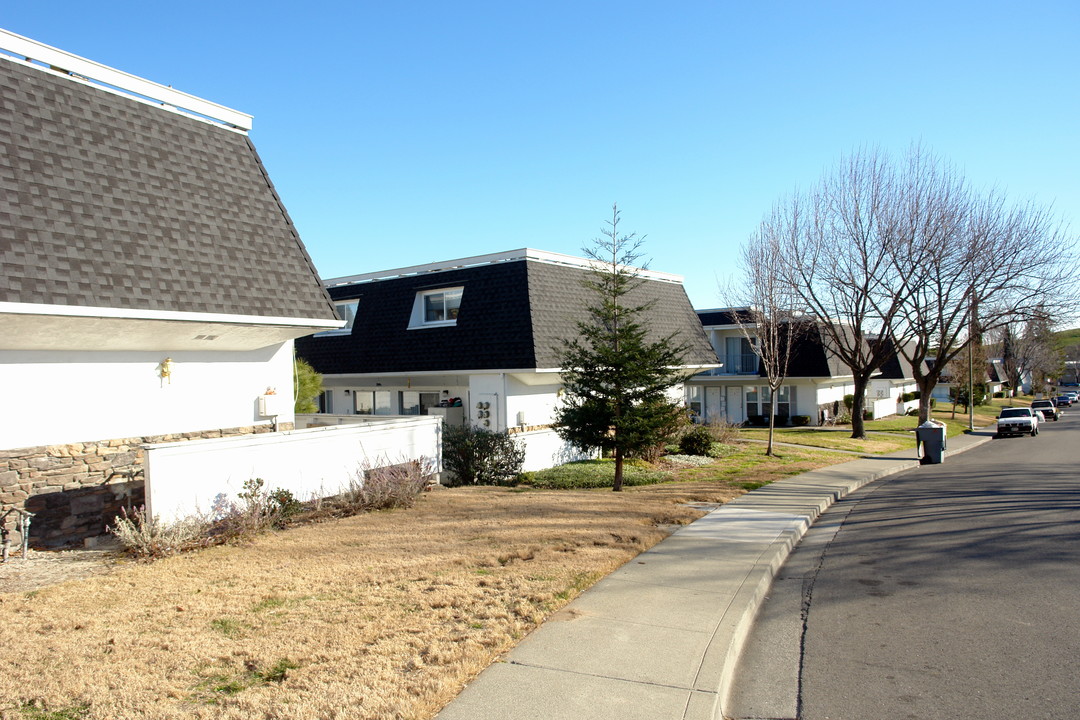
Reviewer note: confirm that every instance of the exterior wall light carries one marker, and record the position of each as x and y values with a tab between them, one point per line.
166	370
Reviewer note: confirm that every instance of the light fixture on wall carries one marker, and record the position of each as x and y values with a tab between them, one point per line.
165	370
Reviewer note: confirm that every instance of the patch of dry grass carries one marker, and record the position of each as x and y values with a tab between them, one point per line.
384	615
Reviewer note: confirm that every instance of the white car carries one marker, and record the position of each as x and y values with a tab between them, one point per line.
1018	421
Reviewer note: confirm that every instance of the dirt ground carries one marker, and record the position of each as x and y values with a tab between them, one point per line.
50	567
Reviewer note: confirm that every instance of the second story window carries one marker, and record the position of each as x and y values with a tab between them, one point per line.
346	309
436	308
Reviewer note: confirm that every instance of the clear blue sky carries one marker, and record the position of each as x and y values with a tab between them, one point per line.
400	133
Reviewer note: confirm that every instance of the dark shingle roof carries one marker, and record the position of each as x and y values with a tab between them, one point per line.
512	316
722	317
110	202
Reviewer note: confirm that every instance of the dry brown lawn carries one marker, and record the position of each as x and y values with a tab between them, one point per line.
385	615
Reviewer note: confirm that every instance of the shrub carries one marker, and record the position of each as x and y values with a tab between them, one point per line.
868	415
780	420
800	420
719	450
849	401
475	456
757	420
696	441
151	538
387	487
723	431
999	394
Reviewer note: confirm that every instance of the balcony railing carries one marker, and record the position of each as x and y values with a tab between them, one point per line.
739	364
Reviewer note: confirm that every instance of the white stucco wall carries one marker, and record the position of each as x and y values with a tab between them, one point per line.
51	397
545	449
186	478
537	402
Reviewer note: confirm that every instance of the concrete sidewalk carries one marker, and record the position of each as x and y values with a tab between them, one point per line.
660	637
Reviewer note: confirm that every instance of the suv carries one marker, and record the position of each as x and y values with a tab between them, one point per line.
1018	421
1047	408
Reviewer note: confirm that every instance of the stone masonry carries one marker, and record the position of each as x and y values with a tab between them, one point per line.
76	490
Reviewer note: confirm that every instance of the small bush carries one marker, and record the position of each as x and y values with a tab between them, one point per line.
696	441
868	415
757	420
849	401
386	487
719	450
999	394
780	420
723	431
800	420
475	456
150	538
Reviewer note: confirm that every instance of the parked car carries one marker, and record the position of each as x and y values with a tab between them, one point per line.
1017	421
1048	409
1062	401
1073	395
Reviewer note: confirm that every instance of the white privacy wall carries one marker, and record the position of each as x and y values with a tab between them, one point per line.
200	476
545	449
51	397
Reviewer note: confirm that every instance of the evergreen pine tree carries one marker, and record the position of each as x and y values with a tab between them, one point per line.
616	379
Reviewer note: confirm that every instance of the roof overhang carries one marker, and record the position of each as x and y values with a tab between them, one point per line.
29	326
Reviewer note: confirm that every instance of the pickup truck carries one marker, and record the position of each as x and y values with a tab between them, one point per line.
1047	408
1017	421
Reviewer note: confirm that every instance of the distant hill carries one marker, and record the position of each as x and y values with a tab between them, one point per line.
1067	338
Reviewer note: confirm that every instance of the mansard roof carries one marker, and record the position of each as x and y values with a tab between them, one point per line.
108	200
517	310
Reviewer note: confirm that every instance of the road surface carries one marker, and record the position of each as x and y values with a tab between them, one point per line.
949	591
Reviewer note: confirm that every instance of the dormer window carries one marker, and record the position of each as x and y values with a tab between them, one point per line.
436	308
347	310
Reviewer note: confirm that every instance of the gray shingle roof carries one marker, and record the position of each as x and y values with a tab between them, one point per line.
512	317
110	202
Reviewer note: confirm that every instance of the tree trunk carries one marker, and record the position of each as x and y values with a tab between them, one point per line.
618	470
926	387
772	420
858	427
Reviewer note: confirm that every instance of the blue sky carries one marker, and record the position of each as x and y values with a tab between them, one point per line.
406	133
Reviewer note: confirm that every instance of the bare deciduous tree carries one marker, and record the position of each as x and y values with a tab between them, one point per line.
836	256
971	263
771	322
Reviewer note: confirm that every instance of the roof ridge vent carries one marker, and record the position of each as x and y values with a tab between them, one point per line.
60	62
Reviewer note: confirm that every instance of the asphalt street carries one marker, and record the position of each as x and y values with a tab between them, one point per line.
948	591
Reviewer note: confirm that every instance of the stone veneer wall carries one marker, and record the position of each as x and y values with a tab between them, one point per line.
76	490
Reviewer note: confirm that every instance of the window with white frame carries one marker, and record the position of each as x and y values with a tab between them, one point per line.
346	309
326	401
436	308
759	400
693	401
366	402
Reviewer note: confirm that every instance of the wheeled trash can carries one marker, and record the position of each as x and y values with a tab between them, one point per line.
930	436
